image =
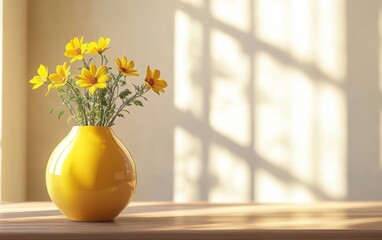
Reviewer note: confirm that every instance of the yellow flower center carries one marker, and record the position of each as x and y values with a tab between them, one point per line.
78	51
93	80
124	70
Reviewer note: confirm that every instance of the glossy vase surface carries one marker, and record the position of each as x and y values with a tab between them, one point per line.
90	175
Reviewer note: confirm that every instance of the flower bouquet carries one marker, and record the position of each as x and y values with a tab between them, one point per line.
97	95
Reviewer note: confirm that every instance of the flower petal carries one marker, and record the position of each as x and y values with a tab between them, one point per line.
70	53
101	42
118	61
124	61
148	72
37	85
155	90
35	79
101	71
130	65
55	78
101	85
161	83
93	70
86	73
133	73
103	79
92	89
107	42
156	74
42	71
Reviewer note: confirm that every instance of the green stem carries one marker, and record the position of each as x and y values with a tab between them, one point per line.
79	100
101	58
123	105
102	116
85	65
112	97
68	105
94	109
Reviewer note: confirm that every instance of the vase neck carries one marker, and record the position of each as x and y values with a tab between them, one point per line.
102	130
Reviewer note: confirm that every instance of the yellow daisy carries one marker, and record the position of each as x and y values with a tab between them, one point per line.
59	78
100	47
153	82
126	67
93	78
75	49
42	77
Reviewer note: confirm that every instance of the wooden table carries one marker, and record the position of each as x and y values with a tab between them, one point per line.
164	220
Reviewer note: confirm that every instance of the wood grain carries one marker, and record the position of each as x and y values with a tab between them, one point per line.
164	220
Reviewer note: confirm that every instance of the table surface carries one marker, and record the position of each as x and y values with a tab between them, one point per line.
166	220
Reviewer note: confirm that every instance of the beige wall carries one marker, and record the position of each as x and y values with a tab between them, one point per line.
14	98
267	101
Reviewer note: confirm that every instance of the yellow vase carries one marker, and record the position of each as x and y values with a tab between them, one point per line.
90	175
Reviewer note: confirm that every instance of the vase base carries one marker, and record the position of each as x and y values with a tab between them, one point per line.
89	220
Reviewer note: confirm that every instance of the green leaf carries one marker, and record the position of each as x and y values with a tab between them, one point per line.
103	102
102	92
138	103
60	114
51	111
125	93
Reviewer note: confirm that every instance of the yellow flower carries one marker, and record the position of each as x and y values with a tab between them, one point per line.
94	48
59	78
75	49
41	78
126	67
153	82
93	78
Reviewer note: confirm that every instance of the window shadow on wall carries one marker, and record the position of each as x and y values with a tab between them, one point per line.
276	101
